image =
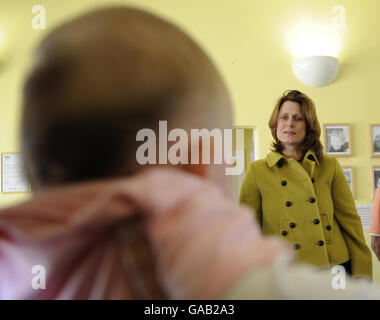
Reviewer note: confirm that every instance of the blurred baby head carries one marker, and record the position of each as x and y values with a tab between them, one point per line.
100	78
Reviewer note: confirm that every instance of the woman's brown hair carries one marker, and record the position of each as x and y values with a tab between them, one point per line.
313	129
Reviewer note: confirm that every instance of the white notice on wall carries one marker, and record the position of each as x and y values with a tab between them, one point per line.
365	213
12	174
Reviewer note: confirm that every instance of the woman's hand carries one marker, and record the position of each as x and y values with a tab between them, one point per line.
375	245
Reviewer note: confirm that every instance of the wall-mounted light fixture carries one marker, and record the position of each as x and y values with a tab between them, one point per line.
316	71
314	46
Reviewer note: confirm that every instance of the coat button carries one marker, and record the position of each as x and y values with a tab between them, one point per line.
283	183
292	225
328	227
284	233
288	203
312	200
320	243
316	221
312	180
296	246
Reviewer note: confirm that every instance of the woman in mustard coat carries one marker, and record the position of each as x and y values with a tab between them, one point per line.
301	194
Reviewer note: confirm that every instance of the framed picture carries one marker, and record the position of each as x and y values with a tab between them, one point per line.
13	178
337	139
375	140
375	179
348	172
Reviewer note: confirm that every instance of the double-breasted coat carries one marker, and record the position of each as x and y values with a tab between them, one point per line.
310	205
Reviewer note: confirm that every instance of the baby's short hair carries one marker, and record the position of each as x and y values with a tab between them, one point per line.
100	78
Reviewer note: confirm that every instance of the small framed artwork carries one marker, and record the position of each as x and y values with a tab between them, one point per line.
375	140
337	139
13	178
375	179
348	172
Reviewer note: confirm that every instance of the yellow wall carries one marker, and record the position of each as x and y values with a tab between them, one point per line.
246	38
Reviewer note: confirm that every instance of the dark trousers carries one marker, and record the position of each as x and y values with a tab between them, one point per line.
347	266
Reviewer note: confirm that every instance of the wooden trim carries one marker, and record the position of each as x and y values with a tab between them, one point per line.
371	140
337	154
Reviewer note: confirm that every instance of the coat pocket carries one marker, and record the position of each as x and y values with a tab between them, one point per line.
326	223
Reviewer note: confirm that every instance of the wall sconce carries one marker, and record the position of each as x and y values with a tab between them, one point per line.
316	71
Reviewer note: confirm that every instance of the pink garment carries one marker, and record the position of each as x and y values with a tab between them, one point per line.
81	234
375	220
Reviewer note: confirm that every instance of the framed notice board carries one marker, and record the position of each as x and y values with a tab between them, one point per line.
13	178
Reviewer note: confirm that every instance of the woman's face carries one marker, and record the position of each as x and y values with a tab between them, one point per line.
291	124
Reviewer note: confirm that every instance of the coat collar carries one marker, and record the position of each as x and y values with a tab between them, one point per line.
310	155
274	157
